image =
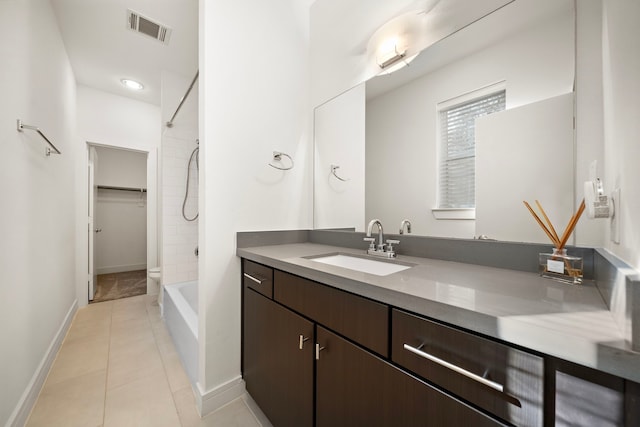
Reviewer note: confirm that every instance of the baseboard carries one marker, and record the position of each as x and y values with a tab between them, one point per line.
216	398
28	399
256	411
121	268
152	287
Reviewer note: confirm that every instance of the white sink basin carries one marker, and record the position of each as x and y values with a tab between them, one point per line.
365	265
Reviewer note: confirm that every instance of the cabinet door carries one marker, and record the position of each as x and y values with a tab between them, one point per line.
356	388
586	397
278	374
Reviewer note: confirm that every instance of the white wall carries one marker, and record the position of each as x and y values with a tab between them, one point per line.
122	243
179	236
115	121
621	68
589	112
339	140
121	215
37	263
402	153
112	120
338	25
253	100
121	168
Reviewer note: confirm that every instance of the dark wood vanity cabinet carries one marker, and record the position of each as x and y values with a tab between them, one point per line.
359	319
357	388
257	277
498	378
317	356
581	396
277	363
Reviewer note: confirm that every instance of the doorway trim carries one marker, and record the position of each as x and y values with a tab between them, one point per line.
153	216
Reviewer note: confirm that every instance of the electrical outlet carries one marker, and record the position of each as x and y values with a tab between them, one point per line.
615	218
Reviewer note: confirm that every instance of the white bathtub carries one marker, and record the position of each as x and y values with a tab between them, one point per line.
181	317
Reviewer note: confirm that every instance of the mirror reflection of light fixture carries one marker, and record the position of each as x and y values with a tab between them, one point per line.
396	43
389	53
131	84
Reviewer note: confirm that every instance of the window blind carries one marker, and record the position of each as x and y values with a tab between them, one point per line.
457	139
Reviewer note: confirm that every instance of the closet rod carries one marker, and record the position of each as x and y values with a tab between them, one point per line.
107	187
170	122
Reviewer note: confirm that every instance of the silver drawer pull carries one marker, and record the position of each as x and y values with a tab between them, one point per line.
303	339
494	385
250	277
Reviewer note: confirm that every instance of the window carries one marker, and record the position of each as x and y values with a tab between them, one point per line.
456	179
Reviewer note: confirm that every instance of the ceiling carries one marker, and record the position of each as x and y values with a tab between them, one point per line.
102	49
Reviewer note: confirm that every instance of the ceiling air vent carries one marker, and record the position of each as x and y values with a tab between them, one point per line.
143	25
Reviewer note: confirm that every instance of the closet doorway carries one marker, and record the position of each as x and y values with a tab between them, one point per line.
117	233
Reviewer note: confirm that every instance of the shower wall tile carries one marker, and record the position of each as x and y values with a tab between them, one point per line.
179	237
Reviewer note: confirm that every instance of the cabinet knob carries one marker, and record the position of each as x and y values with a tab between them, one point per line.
303	339
318	350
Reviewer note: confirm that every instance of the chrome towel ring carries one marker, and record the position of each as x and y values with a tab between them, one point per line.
334	173
277	157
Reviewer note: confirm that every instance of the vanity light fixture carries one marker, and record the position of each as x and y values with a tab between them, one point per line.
396	43
395	63
131	84
389	53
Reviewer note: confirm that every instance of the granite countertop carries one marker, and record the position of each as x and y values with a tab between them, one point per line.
571	322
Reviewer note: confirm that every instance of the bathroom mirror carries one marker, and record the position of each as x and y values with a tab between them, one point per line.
377	150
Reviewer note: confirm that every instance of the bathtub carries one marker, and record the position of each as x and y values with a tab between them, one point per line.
180	311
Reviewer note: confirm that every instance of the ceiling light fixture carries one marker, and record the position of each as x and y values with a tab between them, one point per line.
131	84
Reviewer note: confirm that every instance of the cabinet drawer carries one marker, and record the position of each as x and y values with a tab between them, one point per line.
258	277
356	388
500	379
357	318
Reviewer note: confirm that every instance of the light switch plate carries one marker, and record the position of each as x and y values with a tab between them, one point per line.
615	221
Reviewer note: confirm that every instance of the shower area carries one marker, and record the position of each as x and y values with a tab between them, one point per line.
179	169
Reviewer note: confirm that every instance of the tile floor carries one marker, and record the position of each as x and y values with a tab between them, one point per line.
118	367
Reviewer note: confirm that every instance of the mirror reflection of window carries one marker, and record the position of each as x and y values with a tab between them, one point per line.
456	178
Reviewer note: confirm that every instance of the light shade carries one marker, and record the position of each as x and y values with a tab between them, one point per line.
132	84
397	42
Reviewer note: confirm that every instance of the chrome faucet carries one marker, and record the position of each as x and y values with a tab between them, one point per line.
407	223
379	250
380	233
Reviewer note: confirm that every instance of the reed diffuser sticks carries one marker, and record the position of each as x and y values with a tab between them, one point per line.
558	242
558	265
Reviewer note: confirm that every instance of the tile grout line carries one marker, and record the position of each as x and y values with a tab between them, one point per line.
106	378
164	366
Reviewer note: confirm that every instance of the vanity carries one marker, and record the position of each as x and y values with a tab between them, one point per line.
437	343
469	333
